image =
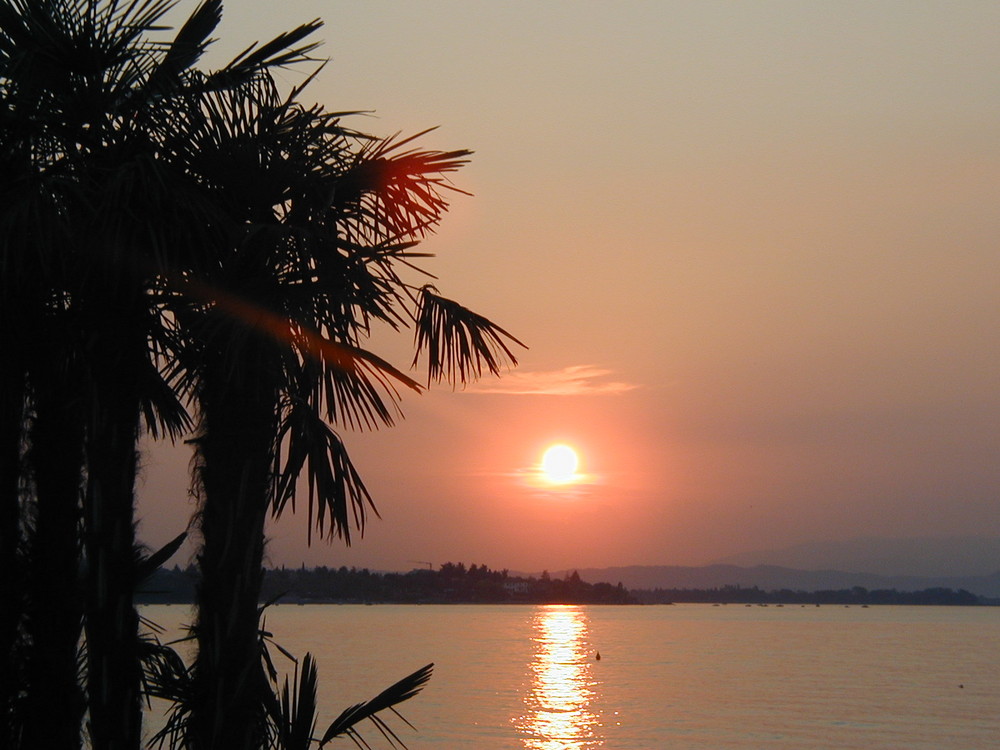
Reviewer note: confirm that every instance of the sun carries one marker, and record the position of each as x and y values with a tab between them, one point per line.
559	464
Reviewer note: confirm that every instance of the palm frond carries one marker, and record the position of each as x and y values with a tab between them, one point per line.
294	713
165	676
264	639
392	696
163	411
389	193
459	343
149	565
359	387
336	493
280	52
187	47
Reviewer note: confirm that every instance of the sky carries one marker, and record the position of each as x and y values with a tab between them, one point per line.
752	249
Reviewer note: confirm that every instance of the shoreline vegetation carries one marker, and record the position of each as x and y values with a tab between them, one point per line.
454	583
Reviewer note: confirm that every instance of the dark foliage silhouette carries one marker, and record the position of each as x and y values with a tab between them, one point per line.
173	238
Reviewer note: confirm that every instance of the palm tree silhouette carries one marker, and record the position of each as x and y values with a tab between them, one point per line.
175	237
90	230
318	219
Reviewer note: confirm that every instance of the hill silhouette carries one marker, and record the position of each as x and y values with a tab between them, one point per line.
773	577
958	556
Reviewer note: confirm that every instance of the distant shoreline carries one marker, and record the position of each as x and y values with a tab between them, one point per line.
457	584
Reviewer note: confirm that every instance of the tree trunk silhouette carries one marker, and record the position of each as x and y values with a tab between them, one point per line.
12	395
112	623
235	454
54	703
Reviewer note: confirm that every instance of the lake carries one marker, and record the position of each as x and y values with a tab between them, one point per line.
680	676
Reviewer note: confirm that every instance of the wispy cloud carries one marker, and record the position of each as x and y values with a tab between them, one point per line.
576	380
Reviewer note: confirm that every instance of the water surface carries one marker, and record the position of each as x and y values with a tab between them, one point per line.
680	676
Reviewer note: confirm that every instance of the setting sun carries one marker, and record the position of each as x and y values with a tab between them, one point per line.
559	464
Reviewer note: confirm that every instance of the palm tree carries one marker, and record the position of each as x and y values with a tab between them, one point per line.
83	88
74	70
258	256
319	220
42	413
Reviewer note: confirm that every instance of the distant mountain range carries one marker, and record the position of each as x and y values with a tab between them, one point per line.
914	556
773	577
971	563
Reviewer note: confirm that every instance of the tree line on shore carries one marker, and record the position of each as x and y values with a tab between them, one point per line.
454	583
857	595
189	254
451	583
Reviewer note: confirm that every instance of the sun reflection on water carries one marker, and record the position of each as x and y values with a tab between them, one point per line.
558	715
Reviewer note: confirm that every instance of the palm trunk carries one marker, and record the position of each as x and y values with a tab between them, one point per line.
54	704
11	588
112	623
238	413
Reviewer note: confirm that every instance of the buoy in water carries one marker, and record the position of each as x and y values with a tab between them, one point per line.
598	657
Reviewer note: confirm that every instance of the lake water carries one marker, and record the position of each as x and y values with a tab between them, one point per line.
681	676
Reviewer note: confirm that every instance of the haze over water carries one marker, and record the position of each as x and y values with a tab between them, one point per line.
682	676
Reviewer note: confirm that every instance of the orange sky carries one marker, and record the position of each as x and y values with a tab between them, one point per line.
753	248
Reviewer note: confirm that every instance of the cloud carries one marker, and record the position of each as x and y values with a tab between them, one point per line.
576	380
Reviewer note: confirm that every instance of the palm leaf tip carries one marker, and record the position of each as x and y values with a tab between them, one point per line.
190	42
460	344
294	711
280	52
392	696
149	565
